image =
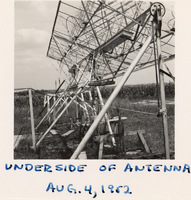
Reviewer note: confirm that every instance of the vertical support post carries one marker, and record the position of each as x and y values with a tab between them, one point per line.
163	101
111	99
100	153
54	110
90	95
106	116
77	113
84	105
58	117
32	121
45	100
48	107
161	82
55	104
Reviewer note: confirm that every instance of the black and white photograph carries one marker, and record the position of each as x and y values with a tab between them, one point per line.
94	80
94	104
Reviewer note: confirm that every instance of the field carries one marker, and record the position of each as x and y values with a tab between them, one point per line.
137	103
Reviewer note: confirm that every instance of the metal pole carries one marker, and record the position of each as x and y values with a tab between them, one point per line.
63	104
110	100
106	116
86	110
32	121
163	102
48	107
77	113
38	143
158	21
54	110
55	104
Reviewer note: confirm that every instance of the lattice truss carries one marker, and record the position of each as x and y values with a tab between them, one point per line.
99	40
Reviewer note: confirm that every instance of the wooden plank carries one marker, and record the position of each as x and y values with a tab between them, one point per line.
82	156
129	133
100	154
142	139
67	133
17	139
116	119
53	132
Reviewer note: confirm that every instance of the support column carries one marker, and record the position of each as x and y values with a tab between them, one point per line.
48	107
32	121
106	116
111	99
58	117
54	110
158	21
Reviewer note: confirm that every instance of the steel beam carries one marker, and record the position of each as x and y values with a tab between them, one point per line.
110	99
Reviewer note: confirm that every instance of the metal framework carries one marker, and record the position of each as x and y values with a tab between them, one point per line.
100	41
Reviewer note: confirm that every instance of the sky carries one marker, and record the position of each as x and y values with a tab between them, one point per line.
32	69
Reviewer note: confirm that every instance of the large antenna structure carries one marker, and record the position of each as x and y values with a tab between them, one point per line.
100	41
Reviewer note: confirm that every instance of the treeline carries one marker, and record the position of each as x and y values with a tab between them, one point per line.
21	99
131	92
143	91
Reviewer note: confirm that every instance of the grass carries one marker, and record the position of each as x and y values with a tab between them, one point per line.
148	122
56	147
